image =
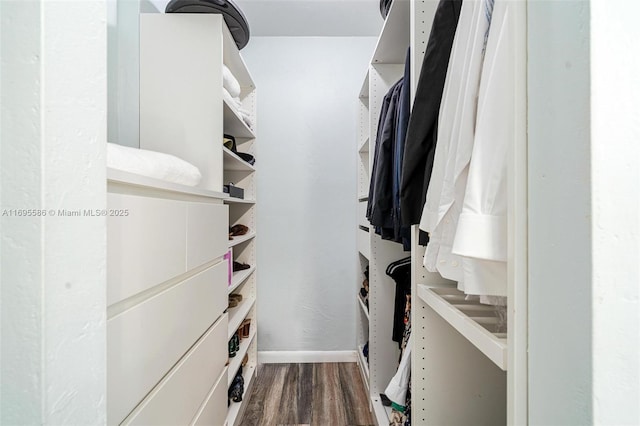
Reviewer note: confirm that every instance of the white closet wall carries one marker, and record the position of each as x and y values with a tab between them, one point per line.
307	106
560	294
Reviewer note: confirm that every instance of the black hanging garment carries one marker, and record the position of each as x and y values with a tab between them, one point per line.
420	144
233	16
400	271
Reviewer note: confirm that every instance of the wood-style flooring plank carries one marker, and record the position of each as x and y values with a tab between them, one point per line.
308	395
355	400
262	407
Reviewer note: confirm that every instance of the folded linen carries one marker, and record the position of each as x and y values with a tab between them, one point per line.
230	82
152	164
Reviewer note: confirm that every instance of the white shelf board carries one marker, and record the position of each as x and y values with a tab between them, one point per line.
233	60
234	125
381	412
115	176
394	39
240	277
236	361
364	308
236	409
234	200
241	239
451	305
238	314
364	366
364	146
233	162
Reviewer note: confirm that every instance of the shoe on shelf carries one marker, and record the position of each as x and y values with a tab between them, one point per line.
237	230
237	266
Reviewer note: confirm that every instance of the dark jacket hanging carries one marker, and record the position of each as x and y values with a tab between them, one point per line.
421	137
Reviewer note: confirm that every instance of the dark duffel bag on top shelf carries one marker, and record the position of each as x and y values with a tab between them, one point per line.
233	16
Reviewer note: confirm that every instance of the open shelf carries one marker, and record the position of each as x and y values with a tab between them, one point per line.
394	39
236	408
476	322
238	314
381	412
364	89
364	147
240	277
233	162
364	367
236	361
364	243
364	308
241	239
234	124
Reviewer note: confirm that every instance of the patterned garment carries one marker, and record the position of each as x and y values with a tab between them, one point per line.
403	418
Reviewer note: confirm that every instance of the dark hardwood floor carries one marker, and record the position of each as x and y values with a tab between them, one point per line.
329	394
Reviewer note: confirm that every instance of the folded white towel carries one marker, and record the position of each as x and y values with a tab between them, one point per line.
235	103
230	82
152	164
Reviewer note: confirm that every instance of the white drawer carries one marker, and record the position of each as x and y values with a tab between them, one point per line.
188	387
214	410
207	232
144	342
146	247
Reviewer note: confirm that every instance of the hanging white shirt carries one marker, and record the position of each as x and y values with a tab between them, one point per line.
481	236
456	124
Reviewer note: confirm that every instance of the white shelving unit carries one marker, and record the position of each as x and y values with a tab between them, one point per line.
375	323
183	112
459	358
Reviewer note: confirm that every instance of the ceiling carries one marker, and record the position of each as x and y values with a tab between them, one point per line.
308	18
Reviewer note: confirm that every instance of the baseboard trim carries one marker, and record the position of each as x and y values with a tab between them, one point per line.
301	357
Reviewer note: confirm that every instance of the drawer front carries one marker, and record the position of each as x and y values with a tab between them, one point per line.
207	232
144	342
178	398
214	410
145	248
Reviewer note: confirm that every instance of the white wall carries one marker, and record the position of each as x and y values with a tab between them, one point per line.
615	155
52	269
584	316
560	327
306	161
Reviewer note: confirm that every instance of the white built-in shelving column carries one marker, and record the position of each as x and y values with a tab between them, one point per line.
184	113
242	248
375	325
363	226
465	368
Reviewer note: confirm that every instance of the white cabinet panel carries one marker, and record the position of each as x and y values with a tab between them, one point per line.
144	342
178	397
207	232
146	247
214	411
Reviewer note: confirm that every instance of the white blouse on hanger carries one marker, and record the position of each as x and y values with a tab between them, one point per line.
456	125
481	237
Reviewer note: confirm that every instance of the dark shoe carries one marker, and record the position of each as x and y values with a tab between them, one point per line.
237	266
